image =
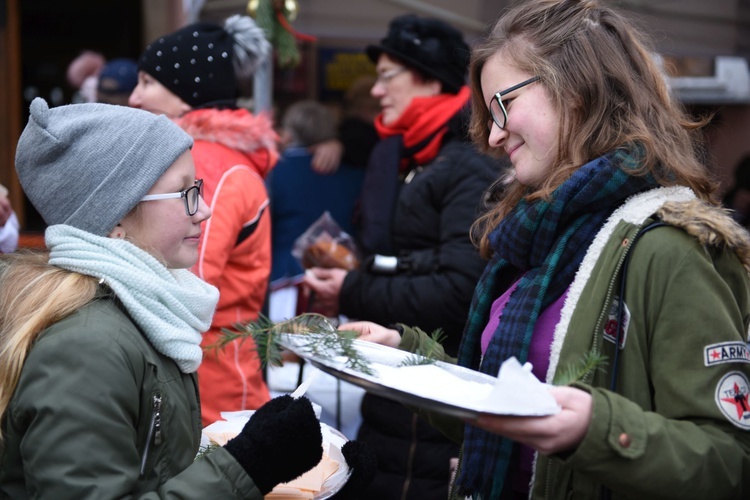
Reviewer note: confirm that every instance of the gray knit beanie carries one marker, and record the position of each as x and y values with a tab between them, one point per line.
88	165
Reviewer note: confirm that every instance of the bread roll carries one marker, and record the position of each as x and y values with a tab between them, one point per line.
329	254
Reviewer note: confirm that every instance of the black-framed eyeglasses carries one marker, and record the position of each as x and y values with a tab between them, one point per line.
191	195
497	108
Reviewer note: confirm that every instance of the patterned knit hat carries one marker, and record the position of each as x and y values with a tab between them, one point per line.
430	46
202	63
88	165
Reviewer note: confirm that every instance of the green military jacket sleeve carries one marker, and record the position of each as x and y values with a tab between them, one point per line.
99	414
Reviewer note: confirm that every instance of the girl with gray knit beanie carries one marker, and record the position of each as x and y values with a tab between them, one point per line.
101	334
195	76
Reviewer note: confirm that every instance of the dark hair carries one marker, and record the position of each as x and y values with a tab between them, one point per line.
309	122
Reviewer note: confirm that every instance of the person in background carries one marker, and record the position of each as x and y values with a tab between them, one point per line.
9	225
299	195
356	133
193	75
82	75
97	80
422	190
357	128
116	81
738	198
612	272
101	334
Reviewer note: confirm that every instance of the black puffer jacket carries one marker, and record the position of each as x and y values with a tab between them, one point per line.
439	267
430	234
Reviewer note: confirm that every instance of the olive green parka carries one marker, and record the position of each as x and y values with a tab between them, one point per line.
99	414
677	426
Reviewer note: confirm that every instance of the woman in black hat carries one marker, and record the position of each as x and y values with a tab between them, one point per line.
612	273
422	190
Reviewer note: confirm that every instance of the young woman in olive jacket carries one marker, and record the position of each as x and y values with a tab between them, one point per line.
607	244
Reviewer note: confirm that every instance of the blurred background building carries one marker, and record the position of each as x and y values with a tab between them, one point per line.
705	47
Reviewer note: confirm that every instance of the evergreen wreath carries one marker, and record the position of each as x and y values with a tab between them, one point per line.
275	17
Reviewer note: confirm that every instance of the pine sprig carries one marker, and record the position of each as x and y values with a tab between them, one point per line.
589	363
205	450
335	345
322	339
427	353
269	351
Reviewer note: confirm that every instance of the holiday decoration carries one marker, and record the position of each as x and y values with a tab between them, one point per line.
275	17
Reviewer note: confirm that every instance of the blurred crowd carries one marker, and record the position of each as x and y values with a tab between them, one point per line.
536	196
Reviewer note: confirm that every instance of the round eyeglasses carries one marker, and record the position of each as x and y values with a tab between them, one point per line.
191	195
497	107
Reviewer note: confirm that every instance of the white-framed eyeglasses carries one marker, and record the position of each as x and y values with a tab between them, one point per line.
386	76
191	195
498	112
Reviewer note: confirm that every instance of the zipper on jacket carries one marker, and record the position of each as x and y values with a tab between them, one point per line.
607	301
154	430
452	494
551	472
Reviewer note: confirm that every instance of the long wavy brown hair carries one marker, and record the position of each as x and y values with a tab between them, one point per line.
603	77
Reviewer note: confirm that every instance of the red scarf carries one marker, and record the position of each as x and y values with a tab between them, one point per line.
425	120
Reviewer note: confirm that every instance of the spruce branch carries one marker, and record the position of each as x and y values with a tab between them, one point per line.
321	339
575	372
205	450
429	352
266	346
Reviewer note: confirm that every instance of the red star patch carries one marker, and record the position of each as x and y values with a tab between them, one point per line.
733	398
740	401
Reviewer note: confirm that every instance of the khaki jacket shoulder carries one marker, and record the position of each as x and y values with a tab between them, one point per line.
673	428
678	424
98	413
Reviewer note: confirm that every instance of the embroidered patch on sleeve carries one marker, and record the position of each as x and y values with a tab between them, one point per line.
732	396
726	352
610	327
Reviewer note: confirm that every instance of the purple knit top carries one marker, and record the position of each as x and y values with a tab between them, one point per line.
539	352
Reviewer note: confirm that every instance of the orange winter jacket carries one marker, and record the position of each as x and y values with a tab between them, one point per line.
233	152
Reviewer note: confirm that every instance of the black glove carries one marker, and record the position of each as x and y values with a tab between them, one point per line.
281	441
363	462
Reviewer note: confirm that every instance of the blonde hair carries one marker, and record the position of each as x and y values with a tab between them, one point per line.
600	72
33	296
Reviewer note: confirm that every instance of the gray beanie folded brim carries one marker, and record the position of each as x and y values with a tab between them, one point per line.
88	165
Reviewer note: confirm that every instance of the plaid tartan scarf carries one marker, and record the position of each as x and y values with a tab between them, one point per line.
545	241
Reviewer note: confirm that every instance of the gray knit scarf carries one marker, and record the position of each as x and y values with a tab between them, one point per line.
172	306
